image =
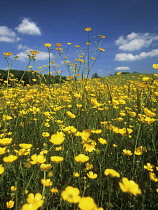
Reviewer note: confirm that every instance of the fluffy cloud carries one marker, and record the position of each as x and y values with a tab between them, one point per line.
20	47
135	41
122	68
23	56
28	27
7	35
131	57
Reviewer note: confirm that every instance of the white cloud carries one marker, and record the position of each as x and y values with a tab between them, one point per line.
23	56
135	41
123	68
7	35
43	55
22	47
28	27
131	57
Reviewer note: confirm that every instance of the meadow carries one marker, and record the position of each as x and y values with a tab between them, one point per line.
86	144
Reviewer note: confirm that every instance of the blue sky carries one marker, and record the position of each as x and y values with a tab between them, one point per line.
130	28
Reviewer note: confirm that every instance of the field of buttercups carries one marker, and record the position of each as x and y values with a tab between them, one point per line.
85	144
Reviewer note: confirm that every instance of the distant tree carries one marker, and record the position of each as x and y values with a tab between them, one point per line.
123	72
95	75
30	77
135	72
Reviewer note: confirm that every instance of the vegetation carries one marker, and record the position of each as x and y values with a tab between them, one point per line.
30	77
88	144
95	75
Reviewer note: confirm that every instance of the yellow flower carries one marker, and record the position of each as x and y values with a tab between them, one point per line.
102	49
155	66
76	174
103	37
69	43
52	62
45	167
34	52
153	177
111	172
127	152
92	175
85	134
87	203
58	44
132	114
149	167
10	204
34	202
96	131
88	166
77	45
102	141
10	158
22	152
13	188
88	29
5	141
47	125
125	131
58	138
145	79
59	48
50	174
70	114
1	169
81	158
46	182
95	103
25	146
71	194
129	186
2	150
59	148
146	119
8	54
56	159
149	113
45	134
47	45
140	150
54	190
37	159
89	147
93	58
6	117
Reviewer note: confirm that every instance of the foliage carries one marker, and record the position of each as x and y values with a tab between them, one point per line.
95	75
123	72
29	78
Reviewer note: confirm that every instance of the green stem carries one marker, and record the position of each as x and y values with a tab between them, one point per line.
43	191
